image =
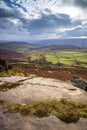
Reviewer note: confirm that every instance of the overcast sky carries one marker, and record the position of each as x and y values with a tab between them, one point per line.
32	20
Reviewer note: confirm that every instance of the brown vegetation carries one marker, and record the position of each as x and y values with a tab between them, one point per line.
9	54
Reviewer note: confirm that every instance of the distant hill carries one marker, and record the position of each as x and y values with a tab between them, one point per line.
59	47
8	54
50	44
82	43
18	46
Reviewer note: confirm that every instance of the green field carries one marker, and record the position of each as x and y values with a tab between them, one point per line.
35	57
65	57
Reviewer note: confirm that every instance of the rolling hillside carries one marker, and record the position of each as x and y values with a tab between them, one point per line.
82	43
45	45
8	54
18	46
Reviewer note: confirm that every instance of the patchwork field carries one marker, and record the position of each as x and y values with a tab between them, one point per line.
66	58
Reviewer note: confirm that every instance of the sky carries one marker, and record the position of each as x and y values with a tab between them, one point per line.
34	20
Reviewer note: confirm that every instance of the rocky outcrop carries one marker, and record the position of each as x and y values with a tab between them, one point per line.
79	82
38	89
3	65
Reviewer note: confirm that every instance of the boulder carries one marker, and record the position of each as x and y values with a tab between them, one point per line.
79	82
3	65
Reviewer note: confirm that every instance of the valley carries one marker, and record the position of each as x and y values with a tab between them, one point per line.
42	84
42	61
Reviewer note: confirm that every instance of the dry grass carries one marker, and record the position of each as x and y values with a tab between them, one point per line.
11	73
67	111
9	85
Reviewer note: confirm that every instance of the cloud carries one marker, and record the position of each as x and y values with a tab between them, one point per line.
77	32
11	13
43	18
13	4
81	3
46	23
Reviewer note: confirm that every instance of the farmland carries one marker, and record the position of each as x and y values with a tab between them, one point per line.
62	65
65	58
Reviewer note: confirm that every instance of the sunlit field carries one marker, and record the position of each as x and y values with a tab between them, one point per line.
67	58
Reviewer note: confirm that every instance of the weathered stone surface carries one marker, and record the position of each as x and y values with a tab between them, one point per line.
38	88
11	121
80	83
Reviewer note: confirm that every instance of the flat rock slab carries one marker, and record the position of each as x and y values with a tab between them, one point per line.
39	88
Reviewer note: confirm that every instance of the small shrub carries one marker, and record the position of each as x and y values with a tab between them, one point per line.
19	74
24	110
2	102
13	108
3	74
68	116
41	112
12	72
